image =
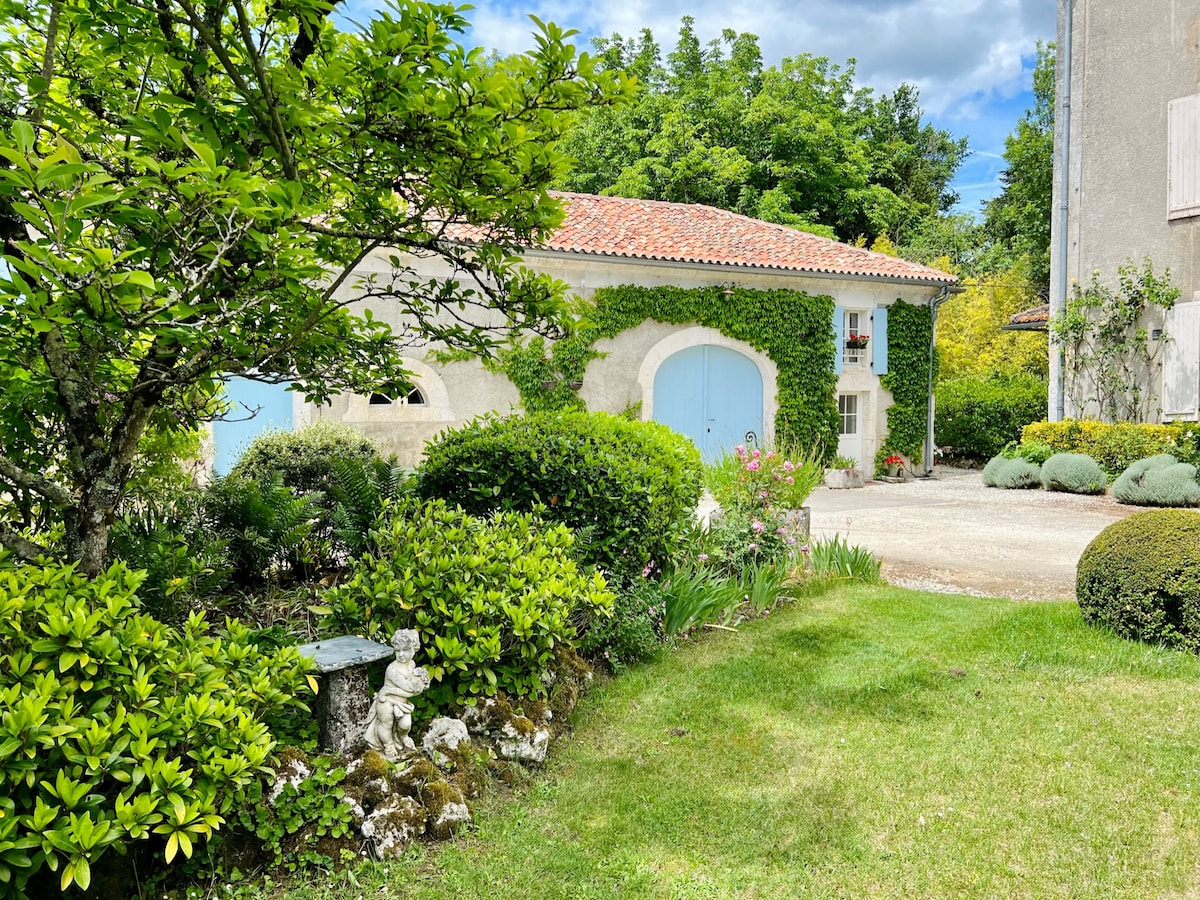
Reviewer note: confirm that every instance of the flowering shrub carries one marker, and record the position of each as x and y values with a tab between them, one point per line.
763	479
754	487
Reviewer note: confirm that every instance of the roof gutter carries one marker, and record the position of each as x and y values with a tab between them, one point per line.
733	270
934	302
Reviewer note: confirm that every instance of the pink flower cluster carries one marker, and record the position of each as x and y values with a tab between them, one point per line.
767	477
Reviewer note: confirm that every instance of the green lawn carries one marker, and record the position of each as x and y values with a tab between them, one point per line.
869	742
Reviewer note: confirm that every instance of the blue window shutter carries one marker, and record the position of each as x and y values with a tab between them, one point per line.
839	337
879	340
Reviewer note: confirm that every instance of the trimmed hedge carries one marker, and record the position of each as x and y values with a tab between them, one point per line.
1158	481
1117	447
1074	473
977	417
1002	472
1141	578
306	458
628	488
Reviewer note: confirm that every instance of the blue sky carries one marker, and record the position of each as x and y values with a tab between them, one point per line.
972	59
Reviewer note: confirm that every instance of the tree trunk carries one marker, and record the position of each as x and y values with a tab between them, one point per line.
93	525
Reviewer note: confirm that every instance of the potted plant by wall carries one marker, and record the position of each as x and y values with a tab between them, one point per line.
893	464
856	341
843	473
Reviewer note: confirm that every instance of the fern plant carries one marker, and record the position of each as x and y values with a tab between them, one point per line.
360	491
268	528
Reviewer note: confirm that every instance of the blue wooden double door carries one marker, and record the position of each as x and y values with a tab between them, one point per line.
712	394
254	408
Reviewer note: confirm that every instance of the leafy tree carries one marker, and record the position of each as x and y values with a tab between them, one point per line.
186	189
1019	219
969	340
796	143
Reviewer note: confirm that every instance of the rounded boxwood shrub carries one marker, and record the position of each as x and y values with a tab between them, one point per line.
306	458
1002	472
628	488
1074	473
493	598
977	417
1141	578
1158	481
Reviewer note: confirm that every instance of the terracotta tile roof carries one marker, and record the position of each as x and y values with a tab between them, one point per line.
1035	319
686	232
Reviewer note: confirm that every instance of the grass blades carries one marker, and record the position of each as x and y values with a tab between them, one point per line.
836	559
872	742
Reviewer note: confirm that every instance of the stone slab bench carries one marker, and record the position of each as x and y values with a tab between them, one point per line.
344	698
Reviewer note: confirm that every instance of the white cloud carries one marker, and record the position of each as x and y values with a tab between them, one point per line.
960	53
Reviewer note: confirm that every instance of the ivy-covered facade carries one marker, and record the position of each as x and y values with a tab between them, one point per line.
756	349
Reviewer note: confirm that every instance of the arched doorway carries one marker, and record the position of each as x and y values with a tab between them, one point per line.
712	394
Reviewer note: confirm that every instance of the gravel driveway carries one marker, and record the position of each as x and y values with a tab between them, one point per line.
951	533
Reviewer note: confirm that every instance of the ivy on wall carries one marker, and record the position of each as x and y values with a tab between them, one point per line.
792	328
910	329
545	377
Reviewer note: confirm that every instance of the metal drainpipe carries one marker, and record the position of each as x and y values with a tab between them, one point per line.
934	302
1059	302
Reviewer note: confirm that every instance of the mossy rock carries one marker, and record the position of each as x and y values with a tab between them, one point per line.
1141	578
572	674
446	806
412	778
468	768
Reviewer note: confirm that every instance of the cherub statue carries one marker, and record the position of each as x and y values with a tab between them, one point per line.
390	717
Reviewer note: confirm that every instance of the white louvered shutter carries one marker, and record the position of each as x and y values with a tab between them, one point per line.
1183	157
1181	362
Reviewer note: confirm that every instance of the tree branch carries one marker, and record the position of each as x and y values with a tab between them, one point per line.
38	110
23	547
306	40
32	481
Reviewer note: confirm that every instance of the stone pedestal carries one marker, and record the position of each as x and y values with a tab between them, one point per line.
344	695
839	479
798	522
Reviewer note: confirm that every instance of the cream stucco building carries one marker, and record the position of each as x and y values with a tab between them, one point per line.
695	378
1127	173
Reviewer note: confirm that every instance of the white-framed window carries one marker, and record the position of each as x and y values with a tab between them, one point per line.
1183	157
854	351
847	414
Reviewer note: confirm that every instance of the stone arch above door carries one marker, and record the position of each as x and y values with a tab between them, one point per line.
699	336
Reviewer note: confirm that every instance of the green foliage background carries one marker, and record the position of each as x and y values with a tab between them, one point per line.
799	143
978	417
